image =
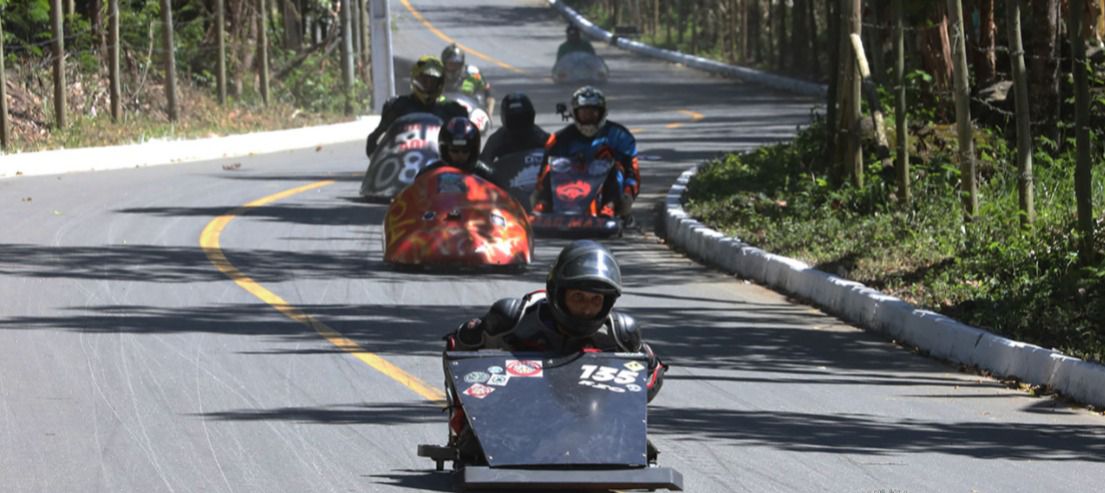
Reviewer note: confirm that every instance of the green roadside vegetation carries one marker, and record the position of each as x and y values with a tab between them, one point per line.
1025	284
305	74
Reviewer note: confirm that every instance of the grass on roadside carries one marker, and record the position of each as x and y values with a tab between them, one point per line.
1023	284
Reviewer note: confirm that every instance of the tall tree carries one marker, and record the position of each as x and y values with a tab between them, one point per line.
1083	173
293	25
56	16
170	59
1043	63
1023	112
3	94
220	37
936	55
263	50
347	55
116	92
905	194
986	61
964	127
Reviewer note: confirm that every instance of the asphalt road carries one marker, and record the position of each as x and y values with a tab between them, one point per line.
130	362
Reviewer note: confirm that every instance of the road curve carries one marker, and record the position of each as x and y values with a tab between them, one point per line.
129	361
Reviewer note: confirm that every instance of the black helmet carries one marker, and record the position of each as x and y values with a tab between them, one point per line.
588	96
518	112
589	266
453	58
459	132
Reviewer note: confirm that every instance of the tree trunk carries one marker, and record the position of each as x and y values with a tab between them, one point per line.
1083	173
905	194
965	129
835	72
936	55
814	45
3	94
347	56
116	92
56	16
986	62
263	50
875	42
1023	112
850	159
746	52
1043	64
170	59
293	26
96	22
782	44
220	36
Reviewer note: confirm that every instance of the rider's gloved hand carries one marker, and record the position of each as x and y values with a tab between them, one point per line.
470	333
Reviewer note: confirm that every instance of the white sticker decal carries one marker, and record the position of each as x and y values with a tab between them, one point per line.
476	377
495	369
499	380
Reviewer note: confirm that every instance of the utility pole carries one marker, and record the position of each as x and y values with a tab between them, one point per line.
383	69
347	56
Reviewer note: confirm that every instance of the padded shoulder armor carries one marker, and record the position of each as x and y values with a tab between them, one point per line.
502	316
625	331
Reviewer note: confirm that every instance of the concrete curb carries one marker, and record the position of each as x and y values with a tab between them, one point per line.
161	152
735	71
940	336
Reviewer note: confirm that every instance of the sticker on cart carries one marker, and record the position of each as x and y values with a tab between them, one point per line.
526	368
479	390
499	380
476	377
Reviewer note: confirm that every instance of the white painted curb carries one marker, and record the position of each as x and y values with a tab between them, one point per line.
940	336
735	71
161	152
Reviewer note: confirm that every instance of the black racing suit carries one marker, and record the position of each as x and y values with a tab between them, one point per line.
507	140
527	324
399	106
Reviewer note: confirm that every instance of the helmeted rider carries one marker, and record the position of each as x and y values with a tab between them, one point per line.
591	137
574	43
573	314
458	142
427	84
518	133
464	78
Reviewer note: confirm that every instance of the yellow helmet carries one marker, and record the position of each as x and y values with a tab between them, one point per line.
428	78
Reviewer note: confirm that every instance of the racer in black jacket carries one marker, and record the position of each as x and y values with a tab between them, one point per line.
427	84
518	133
574	313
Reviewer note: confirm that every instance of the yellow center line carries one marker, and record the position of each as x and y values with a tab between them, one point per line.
209	242
695	116
445	37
